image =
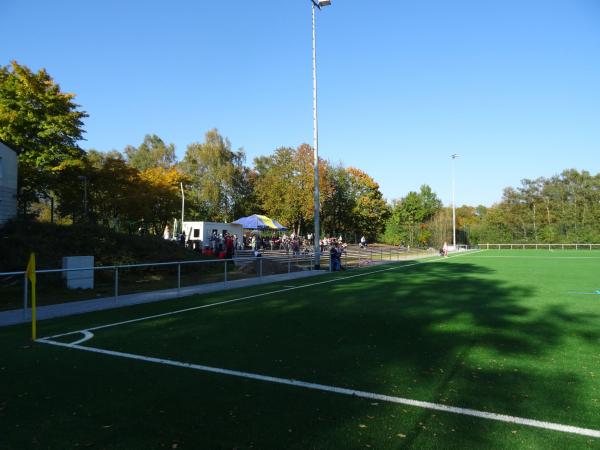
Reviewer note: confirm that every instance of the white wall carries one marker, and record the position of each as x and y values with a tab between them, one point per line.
8	183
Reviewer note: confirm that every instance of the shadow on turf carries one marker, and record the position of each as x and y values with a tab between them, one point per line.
447	316
436	332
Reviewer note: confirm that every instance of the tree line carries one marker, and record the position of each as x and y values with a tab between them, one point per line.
140	185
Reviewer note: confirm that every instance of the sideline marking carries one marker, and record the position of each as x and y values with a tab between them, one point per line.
538	257
343	391
248	297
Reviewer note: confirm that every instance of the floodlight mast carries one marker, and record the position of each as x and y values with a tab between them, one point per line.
453	156
316	4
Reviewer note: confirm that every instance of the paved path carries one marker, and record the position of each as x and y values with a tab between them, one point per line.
68	309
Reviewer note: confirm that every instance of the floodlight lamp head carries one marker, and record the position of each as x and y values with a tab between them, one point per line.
321	3
455	155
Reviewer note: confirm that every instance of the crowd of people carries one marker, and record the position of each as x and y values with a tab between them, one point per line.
294	244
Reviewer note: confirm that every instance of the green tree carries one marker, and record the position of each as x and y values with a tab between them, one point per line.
151	153
42	123
114	192
214	173
408	223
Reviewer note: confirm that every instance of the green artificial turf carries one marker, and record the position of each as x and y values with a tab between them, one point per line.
513	332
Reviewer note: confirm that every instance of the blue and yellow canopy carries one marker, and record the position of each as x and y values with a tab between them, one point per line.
258	222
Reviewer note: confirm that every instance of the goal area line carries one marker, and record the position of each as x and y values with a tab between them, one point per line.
338	390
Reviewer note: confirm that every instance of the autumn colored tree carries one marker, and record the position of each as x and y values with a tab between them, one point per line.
370	210
285	186
161	195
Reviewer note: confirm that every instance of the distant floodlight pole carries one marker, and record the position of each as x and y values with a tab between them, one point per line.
316	4
453	156
182	204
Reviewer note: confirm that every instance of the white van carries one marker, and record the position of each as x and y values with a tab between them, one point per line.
199	233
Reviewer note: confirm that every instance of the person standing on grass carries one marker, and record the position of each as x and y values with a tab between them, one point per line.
445	249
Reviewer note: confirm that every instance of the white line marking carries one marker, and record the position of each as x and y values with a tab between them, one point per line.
343	391
553	258
87	335
248	297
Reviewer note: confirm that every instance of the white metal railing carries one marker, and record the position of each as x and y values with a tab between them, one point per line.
538	246
115	285
284	265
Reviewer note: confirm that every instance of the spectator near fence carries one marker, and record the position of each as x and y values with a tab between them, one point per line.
335	257
363	242
229	246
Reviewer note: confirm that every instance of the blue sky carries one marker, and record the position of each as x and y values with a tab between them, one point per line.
512	86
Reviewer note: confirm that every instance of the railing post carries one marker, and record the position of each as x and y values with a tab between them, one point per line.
225	274
290	264
260	264
25	293
116	283
178	277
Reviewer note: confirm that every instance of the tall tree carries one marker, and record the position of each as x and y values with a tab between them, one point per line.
370	211
212	168
37	118
161	198
151	153
338	207
111	191
41	122
285	186
408	223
